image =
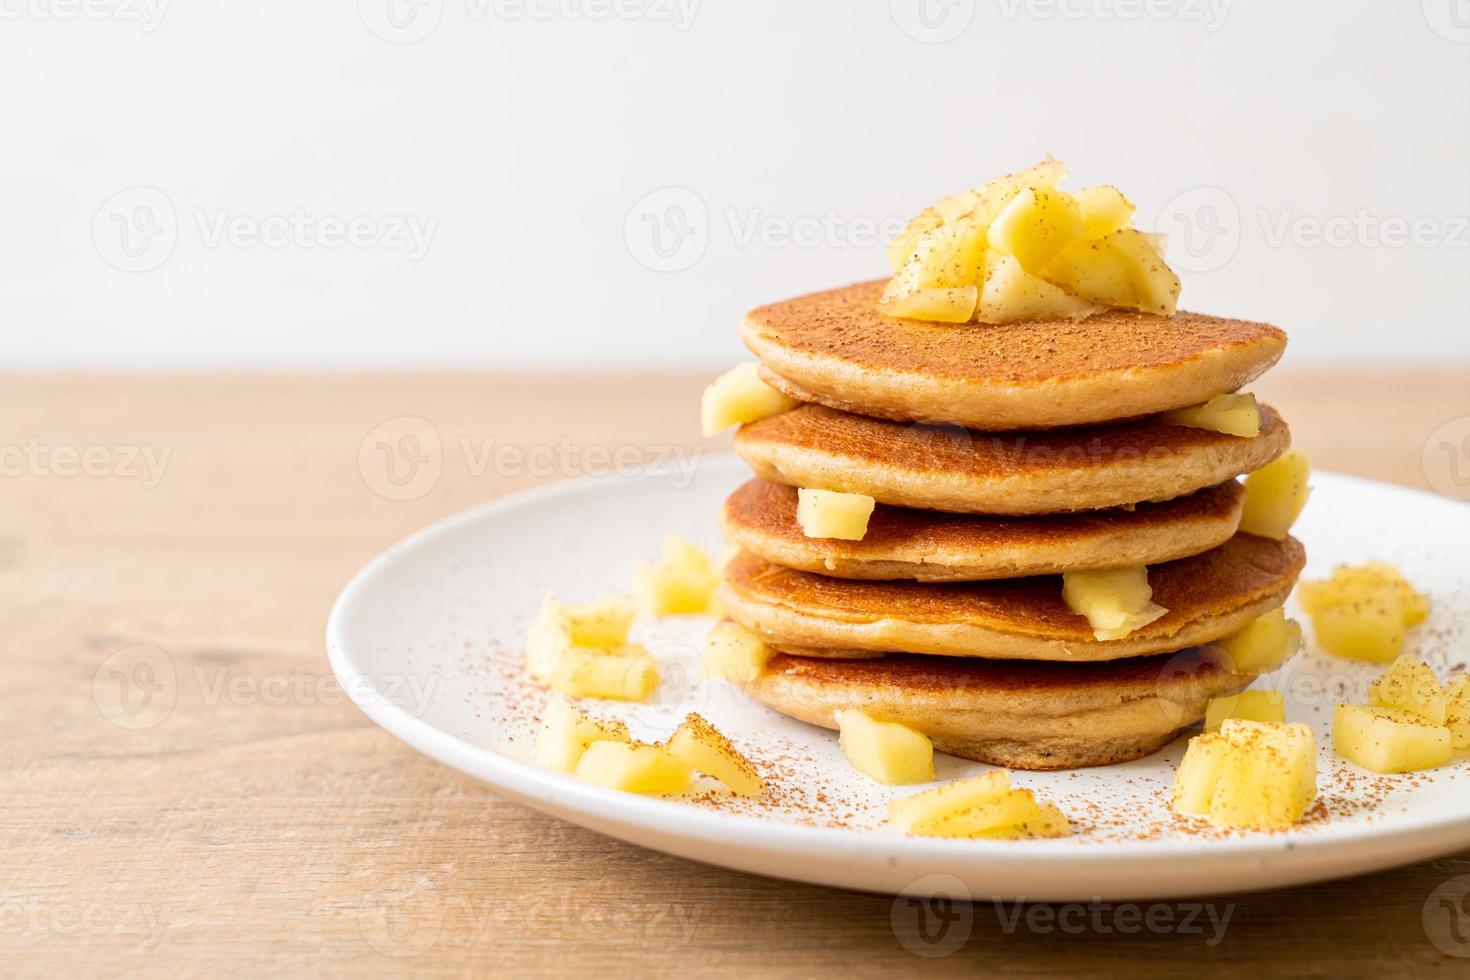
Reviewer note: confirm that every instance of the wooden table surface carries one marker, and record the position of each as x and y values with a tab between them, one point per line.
231	811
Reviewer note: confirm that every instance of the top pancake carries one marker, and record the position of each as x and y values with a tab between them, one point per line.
836	349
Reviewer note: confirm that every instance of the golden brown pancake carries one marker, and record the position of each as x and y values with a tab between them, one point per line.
930	546
1209	597
954	469
835	348
1026	716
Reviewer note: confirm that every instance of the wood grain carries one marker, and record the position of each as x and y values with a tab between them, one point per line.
262	823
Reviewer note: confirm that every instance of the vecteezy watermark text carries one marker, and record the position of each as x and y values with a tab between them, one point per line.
137	230
147	14
404	457
407	21
146	464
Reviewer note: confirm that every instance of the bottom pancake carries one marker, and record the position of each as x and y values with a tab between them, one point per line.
1019	715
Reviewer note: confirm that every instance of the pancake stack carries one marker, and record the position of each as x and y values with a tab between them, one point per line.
1001	457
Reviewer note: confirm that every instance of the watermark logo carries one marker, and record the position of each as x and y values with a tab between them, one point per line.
933	917
135	688
403	919
1446	458
402	458
667	230
1450	19
136	229
400	21
932	21
1203	225
1446	917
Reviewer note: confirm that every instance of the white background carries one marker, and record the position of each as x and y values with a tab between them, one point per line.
525	137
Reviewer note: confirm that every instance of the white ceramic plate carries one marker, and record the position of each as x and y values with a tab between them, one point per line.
427	639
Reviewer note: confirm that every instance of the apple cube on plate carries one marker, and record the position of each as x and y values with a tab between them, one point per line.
566	732
624	673
983	806
885	751
1411	685
914	813
684	581
1351	583
1457	711
633	767
1389	739
701	747
1249	775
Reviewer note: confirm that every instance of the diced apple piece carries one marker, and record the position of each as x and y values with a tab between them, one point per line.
1275	495
1234	415
1268	642
602	622
902	246
1248	705
734	653
549	637
625	673
892	754
1004	812
1194	783
1104	210
996	194
1388	739
1251	775
739	396
566	733
912	814
1049	821
1115	601
701	747
1094	271
633	768
1370	630
1268	776
830	514
937	305
1365	583
1157	285
954	255
1457	711
1410	685
1011	293
1036	225
684	581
